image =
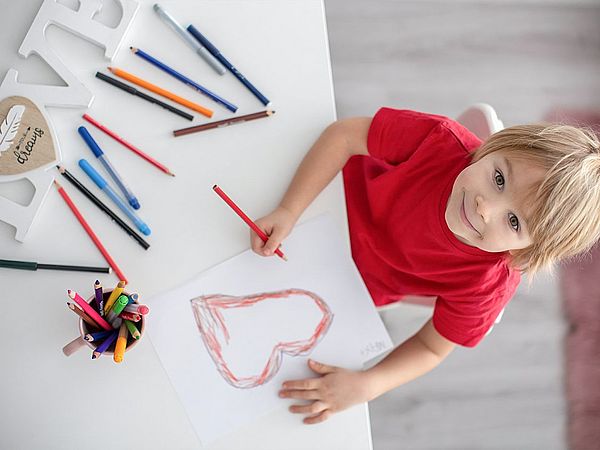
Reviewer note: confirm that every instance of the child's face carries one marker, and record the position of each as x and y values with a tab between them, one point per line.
488	207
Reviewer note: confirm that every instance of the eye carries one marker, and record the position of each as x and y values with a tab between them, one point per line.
514	221
499	179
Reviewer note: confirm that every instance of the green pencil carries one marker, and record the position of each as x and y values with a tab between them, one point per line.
132	329
30	265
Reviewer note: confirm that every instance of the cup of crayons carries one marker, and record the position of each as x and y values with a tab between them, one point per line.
110	321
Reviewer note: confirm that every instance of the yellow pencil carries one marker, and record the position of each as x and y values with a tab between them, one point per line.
114	295
160	91
121	344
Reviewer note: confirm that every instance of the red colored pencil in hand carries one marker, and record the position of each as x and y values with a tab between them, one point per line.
89	231
245	218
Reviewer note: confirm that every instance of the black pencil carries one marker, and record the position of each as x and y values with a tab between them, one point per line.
30	265
85	191
134	91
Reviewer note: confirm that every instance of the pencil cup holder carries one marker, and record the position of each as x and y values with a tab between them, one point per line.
79	342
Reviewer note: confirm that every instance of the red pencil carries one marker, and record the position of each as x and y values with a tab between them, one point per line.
131	147
89	231
246	219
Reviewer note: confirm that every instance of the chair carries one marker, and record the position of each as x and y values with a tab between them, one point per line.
481	119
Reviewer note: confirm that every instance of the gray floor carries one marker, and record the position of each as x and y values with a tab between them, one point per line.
524	58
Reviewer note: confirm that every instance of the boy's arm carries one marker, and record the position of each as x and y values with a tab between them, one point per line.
328	155
337	389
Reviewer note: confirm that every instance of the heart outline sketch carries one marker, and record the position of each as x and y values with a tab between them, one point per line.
209	319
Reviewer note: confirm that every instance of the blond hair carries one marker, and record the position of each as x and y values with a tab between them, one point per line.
565	207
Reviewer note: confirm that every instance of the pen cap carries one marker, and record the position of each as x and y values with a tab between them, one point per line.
120	304
91	172
200	38
89	140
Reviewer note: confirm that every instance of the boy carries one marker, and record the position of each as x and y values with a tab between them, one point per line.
433	211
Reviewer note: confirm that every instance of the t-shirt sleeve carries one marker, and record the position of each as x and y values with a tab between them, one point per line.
394	135
466	322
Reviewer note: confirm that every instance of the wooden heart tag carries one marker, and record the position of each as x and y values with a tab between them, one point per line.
26	142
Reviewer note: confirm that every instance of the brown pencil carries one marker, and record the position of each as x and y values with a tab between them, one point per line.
87	319
223	123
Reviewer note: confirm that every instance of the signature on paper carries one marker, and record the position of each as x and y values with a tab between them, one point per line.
372	348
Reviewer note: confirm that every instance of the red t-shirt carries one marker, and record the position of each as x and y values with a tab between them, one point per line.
401	244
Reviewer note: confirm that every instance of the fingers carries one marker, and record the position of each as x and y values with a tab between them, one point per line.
307	384
300	394
275	238
321	417
266	248
321	368
312	408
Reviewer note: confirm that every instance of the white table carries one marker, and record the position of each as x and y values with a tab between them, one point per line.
50	401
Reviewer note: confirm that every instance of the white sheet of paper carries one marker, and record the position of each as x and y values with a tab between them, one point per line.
320	263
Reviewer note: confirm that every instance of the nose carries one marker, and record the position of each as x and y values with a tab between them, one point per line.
481	206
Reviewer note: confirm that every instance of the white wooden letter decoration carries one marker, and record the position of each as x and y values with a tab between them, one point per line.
28	145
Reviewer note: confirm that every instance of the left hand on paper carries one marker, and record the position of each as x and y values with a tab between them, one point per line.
335	390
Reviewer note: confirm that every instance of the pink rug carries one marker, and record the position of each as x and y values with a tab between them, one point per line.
581	293
580	285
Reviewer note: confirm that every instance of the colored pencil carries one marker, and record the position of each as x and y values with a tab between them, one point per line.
98	297
133	91
126	144
191	83
121	344
88	309
217	54
135	333
87	319
102	184
130	316
137	309
114	295
199	49
105	344
246	219
96	201
223	123
31	265
91	337
89	231
160	91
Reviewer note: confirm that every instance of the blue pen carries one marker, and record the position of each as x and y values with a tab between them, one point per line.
102	184
204	54
142	54
98	153
217	54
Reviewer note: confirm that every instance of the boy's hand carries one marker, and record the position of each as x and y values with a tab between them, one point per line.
277	226
336	390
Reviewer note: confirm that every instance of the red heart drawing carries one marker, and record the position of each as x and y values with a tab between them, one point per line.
210	312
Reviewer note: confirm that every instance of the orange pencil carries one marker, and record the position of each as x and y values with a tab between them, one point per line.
160	91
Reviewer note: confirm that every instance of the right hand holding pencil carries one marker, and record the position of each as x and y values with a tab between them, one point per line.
277	225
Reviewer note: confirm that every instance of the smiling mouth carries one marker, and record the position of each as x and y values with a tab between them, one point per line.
464	217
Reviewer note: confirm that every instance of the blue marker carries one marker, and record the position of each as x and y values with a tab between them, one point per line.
142	54
102	184
98	153
217	54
